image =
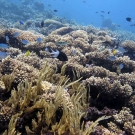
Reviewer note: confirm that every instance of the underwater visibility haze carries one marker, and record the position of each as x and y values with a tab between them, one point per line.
67	67
88	12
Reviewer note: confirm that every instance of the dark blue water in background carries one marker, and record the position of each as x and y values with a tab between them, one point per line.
84	11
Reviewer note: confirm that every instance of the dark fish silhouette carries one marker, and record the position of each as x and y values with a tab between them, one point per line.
129	19
112	58
101	15
121	65
132	25
25	41
108	12
59	55
55	10
118	25
39	40
7	38
42	23
62	57
16	34
21	22
103	11
3	55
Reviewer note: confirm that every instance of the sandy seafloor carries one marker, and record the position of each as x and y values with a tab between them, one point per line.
91	93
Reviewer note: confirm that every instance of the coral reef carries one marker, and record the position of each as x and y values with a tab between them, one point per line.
49	22
17	41
92	93
19	70
6	113
50	104
129	45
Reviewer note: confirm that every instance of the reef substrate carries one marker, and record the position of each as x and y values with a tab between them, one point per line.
88	94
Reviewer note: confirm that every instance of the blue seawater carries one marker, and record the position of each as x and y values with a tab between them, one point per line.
3	45
84	11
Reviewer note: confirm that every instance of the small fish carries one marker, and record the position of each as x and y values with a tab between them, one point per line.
46	49
55	54
3	55
3	45
96	12
129	19
112	58
121	49
59	55
90	65
27	53
132	25
21	22
108	12
39	40
42	23
55	10
114	51
111	79
133	54
101	15
73	52
7	39
121	66
49	5
103	11
84	1
25	41
62	43
16	34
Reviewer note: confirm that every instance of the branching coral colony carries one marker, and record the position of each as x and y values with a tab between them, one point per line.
49	107
92	92
88	94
